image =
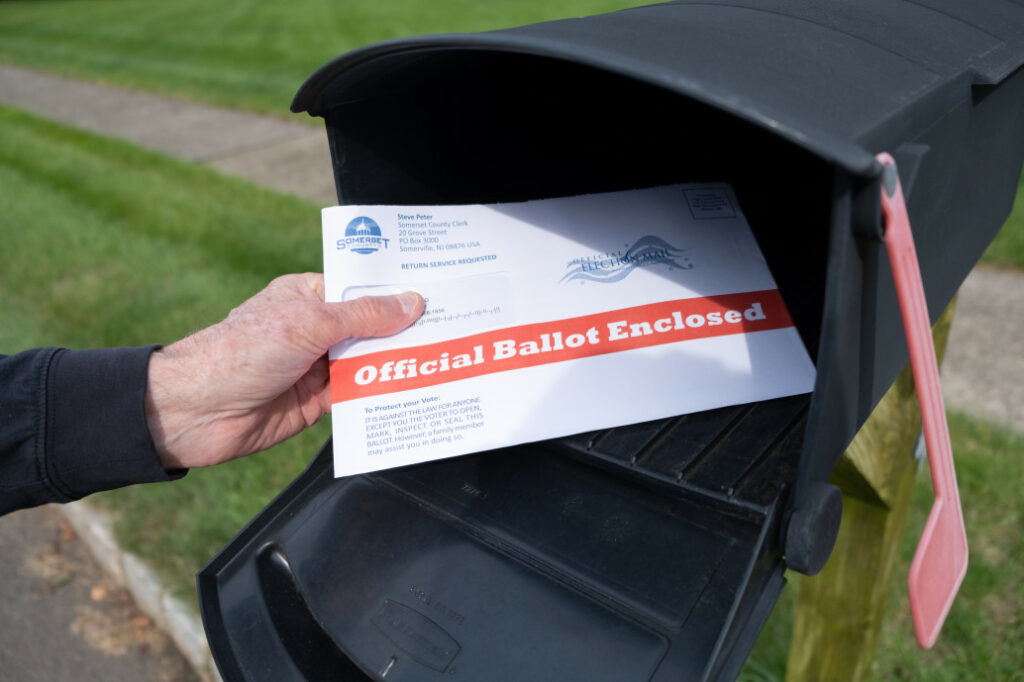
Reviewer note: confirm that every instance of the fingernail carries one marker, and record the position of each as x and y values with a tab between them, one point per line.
408	300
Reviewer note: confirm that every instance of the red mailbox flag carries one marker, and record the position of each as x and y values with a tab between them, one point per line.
940	562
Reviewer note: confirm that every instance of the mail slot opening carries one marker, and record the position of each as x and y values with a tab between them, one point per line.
483	127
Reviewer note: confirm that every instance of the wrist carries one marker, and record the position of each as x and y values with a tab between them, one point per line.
165	410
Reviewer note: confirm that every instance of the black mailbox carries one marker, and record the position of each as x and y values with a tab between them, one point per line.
654	551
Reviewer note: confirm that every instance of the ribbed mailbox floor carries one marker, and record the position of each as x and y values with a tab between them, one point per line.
741	455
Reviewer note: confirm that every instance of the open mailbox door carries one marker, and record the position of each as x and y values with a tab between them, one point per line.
654	551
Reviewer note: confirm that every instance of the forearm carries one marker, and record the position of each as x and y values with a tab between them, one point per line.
73	423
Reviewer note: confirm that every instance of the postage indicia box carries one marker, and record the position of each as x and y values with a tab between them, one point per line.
551	317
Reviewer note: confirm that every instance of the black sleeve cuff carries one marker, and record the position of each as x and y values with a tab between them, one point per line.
97	437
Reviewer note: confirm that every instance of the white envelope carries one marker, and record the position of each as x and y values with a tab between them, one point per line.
551	317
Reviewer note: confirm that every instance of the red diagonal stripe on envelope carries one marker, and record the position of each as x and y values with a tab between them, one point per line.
542	343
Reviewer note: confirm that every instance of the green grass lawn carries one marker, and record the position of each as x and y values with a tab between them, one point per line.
245	53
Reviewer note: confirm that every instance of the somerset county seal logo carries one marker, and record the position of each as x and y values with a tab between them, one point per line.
616	265
363	236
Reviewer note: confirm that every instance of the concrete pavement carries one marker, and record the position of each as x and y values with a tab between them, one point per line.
983	373
64	619
289	156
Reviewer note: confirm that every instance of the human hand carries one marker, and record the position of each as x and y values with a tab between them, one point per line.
259	376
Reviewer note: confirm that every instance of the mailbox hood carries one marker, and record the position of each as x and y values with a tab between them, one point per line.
822	77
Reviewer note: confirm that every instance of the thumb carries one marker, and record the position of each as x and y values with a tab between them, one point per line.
365	317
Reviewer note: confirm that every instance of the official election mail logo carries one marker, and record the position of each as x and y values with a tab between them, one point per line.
617	265
362	235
